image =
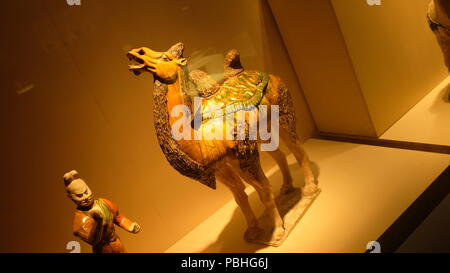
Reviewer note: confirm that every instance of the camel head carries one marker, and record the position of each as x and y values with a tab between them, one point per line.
163	65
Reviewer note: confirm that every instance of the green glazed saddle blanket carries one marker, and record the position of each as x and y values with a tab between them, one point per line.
241	92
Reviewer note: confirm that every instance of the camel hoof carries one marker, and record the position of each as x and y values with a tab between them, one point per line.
310	189
278	233
285	189
253	233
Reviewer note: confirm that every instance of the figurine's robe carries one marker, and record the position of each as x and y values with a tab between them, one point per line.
96	226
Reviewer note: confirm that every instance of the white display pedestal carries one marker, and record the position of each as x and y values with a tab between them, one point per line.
364	190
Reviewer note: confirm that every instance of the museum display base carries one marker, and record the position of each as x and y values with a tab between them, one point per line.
364	190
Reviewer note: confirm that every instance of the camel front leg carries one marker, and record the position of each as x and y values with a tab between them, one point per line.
231	179
280	158
259	181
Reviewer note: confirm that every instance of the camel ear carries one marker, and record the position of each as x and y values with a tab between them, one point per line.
176	50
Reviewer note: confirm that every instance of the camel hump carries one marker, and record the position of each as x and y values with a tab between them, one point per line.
242	92
232	64
204	83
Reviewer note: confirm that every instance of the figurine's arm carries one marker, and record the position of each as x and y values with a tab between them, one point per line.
85	227
121	220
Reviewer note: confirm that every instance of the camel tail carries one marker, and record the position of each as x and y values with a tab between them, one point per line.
279	90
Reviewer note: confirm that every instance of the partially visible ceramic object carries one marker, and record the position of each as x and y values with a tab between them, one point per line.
439	21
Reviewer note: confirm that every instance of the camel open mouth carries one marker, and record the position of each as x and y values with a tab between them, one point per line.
136	68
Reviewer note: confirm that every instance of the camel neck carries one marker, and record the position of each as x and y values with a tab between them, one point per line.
176	94
183	155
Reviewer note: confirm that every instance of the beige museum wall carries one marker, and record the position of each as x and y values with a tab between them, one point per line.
88	112
394	53
318	52
361	67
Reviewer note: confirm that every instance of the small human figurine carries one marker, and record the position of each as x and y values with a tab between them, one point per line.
94	218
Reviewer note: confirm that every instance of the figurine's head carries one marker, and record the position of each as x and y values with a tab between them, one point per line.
164	65
77	190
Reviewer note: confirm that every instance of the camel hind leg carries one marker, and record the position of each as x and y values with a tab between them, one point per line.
300	155
289	136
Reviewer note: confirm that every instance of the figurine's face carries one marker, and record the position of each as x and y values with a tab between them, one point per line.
162	64
80	193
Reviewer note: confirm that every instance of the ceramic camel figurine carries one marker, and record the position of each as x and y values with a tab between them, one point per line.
230	161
